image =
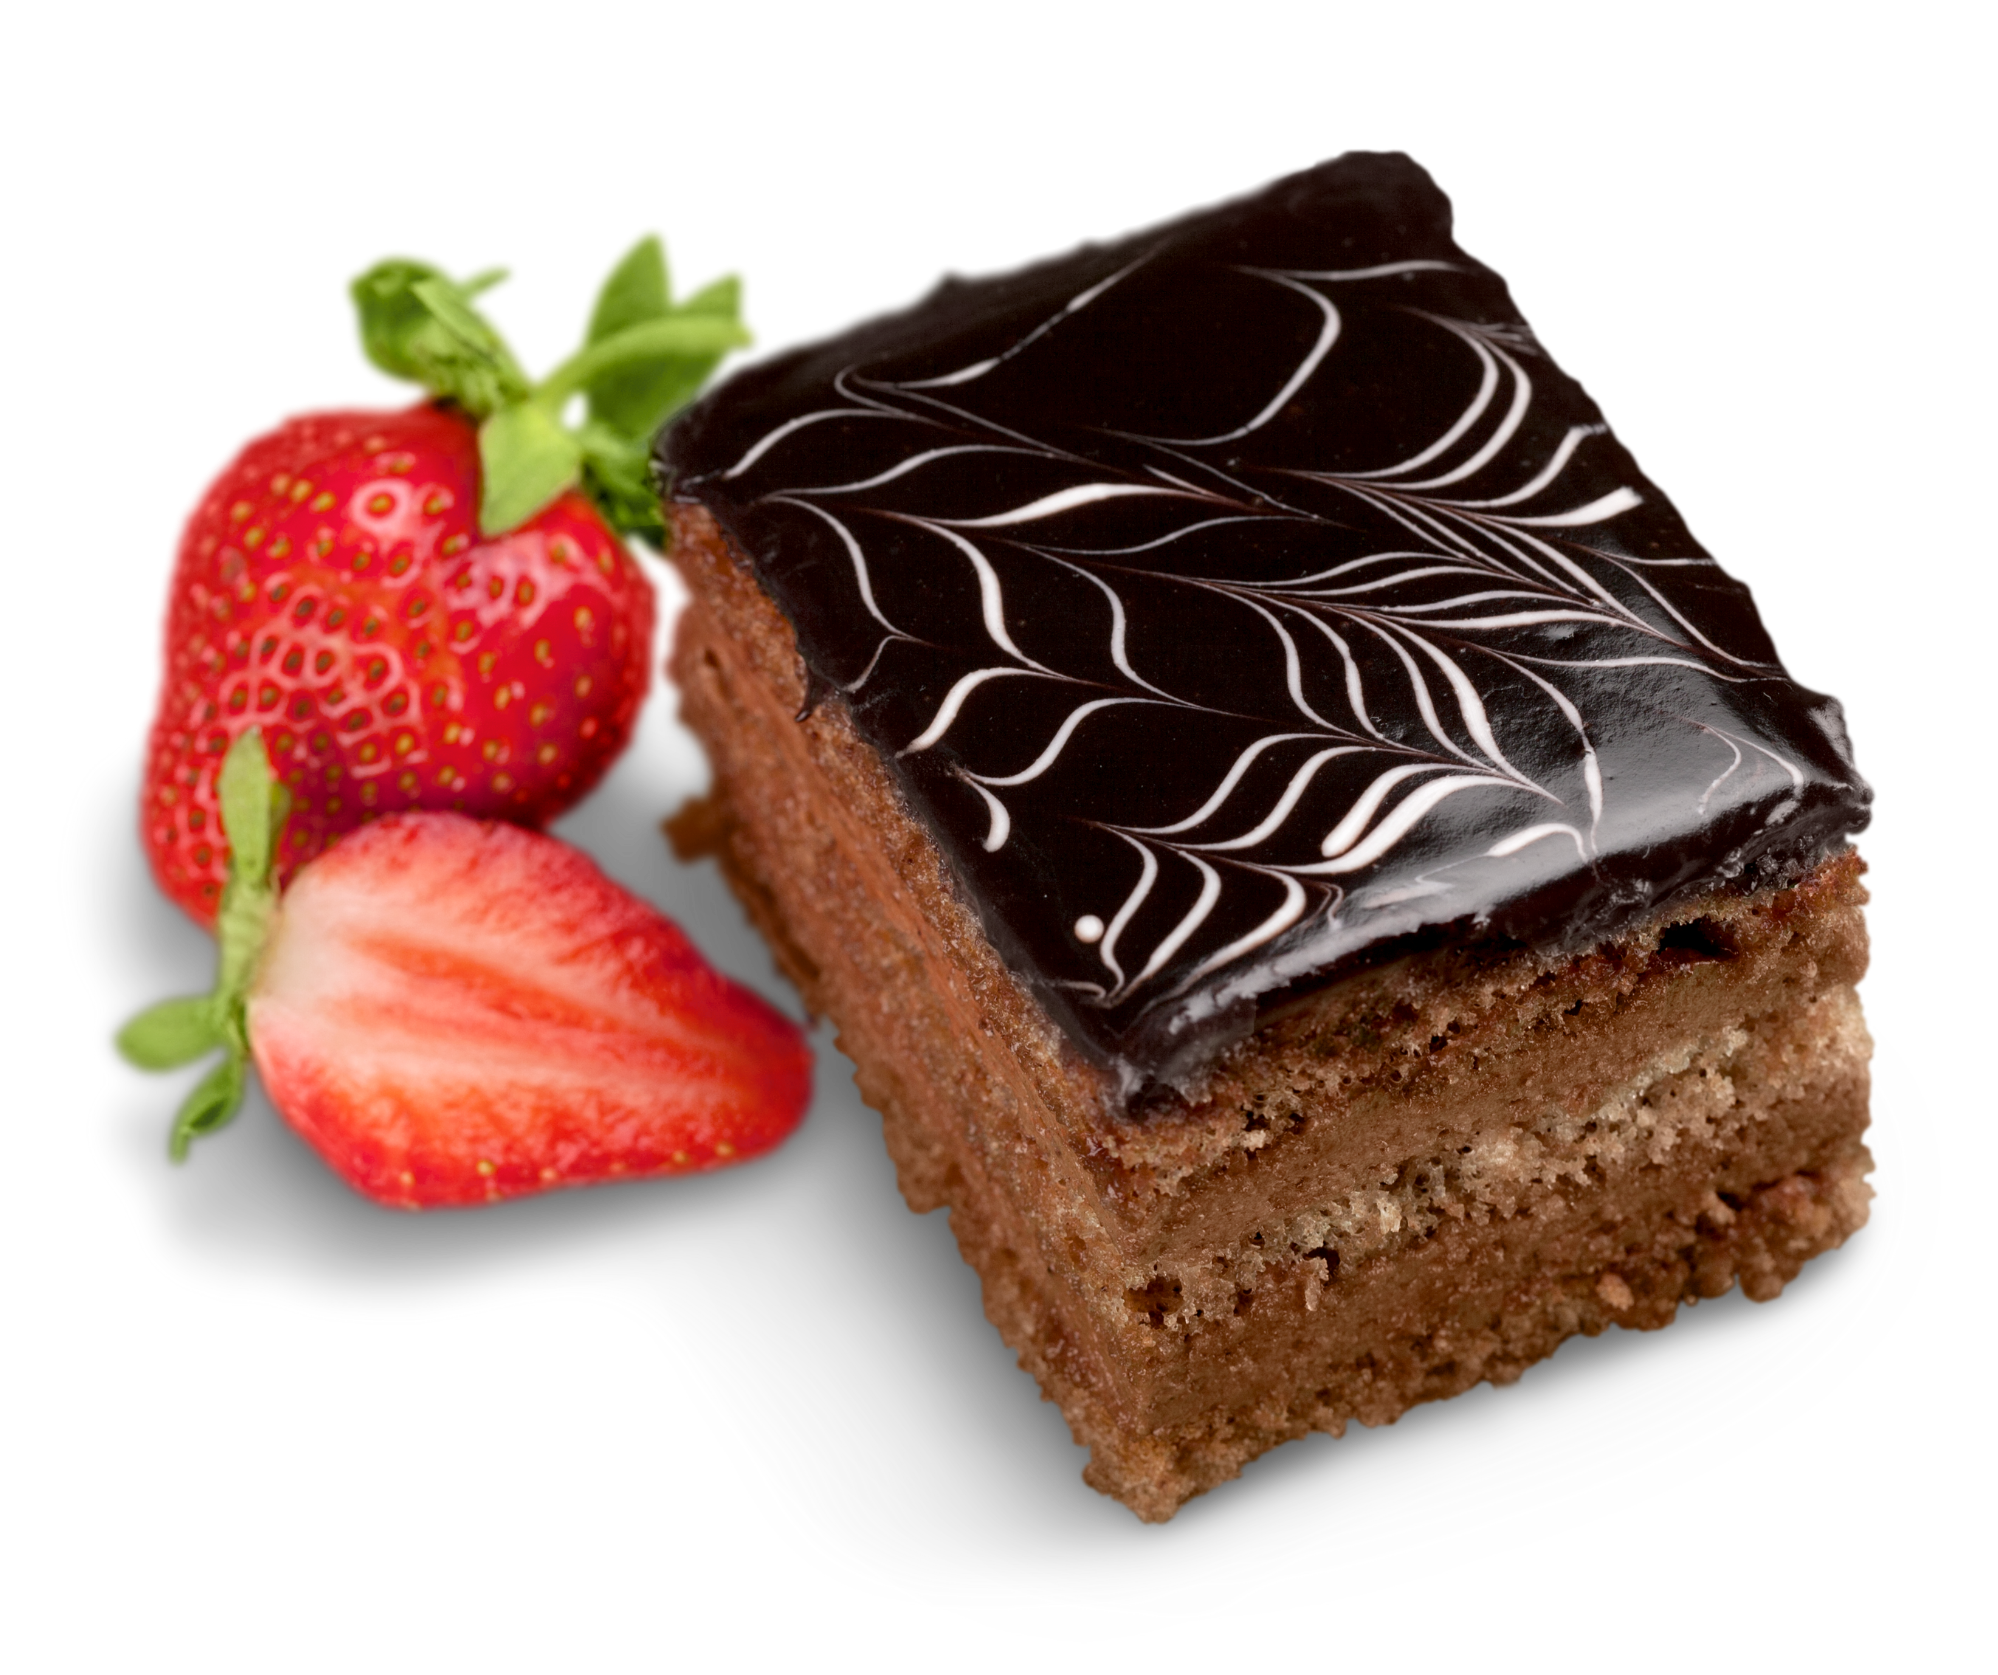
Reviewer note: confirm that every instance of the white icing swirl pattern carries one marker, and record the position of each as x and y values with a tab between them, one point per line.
1364	626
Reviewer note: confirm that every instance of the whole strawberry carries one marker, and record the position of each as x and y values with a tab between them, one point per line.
333	589
427	609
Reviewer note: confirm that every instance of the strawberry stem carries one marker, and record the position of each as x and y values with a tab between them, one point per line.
178	1031
646	357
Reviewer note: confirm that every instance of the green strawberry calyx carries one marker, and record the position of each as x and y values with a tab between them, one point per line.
179	1031
644	357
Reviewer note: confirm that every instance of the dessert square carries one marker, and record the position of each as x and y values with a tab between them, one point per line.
1320	873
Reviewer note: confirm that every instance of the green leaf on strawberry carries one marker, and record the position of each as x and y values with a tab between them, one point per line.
526	459
417	324
178	1031
643	359
173	1033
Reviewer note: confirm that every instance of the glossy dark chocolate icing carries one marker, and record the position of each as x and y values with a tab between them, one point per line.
1253	599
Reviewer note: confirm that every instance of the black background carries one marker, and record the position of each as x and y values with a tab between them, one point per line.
784	1368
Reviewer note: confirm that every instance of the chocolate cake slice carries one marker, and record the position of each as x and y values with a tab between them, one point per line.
1315	866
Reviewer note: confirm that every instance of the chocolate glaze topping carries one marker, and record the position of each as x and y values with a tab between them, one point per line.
1252	600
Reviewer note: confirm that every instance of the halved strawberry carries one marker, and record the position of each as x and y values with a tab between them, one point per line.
451	1010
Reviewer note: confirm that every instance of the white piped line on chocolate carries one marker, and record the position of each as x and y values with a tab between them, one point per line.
1328	334
1052	505
1076	304
1055	745
1299	781
1219	795
1533	834
1577	435
791	427
1512	578
954	701
1002	822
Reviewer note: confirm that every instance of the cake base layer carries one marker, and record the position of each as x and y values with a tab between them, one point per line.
1469	1302
1421	1178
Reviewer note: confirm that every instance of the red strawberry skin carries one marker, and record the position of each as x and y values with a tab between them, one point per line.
333	588
454	1011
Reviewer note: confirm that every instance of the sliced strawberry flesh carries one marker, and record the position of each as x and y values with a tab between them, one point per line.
452	1011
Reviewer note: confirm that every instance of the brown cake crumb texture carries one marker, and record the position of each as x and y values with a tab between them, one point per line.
1427	1175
